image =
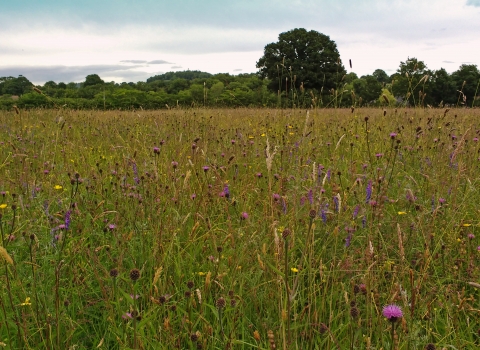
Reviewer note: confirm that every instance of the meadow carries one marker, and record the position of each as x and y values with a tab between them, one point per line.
240	229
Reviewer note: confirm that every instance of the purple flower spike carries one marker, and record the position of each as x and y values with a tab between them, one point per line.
392	312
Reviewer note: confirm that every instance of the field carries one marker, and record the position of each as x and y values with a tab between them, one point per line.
240	229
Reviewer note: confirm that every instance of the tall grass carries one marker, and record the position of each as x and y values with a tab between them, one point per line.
245	229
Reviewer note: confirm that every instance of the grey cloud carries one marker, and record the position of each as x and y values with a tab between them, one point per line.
40	75
473	2
237	70
133	61
159	62
175	67
448	62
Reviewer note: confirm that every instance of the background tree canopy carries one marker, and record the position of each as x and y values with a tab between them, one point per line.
303	69
304	57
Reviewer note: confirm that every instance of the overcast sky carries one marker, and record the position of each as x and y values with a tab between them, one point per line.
126	40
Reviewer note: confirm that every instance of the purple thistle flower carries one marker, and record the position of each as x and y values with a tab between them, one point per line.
67	219
156	150
310	197
205	168
276	197
244	216
392	312
226	191
369	191
393	135
329	174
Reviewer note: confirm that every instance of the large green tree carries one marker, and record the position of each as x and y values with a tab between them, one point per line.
306	58
466	80
411	82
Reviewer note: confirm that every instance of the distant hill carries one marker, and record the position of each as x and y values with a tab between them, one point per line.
187	75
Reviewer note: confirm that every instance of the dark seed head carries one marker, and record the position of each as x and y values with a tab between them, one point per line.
113	273
323	328
354	312
134	274
312	214
286	233
194	337
430	346
221	303
190	284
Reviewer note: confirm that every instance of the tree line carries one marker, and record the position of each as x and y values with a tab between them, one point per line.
303	69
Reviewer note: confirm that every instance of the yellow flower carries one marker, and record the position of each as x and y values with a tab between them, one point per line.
294	269
27	302
58	187
466	225
262	134
201	273
3	206
402	212
251	137
291	133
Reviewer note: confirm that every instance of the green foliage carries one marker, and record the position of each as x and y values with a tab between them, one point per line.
466	80
411	82
368	88
301	57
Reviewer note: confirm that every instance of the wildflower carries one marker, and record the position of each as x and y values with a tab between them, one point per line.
392	312
135	173
379	155
67	219
310	197
220	303
393	135
193	196
112	227
442	200
294	269
134	274
276	197
3	206
156	150
471	236
205	168
26	302
226	191
348	240
57	187
369	191
466	225
355	211
127	315
244	216
402	212
174	164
